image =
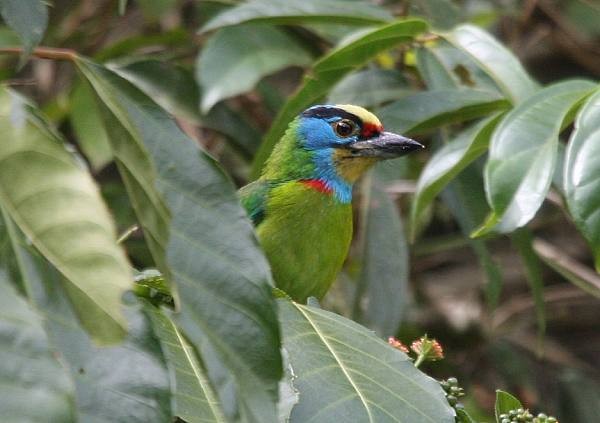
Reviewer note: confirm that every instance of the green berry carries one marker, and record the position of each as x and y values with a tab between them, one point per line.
505	421
452	381
452	400
503	416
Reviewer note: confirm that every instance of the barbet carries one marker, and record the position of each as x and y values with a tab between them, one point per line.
301	203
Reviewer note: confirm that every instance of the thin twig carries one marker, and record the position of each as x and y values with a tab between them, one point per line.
44	53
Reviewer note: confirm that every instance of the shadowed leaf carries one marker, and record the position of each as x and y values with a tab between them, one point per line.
221	275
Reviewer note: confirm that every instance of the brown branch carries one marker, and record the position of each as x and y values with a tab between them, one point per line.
44	53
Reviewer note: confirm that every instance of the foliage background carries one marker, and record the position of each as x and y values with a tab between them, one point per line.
517	312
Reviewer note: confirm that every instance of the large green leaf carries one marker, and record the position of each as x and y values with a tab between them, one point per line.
28	18
222	277
369	88
343	372
582	174
195	401
382	286
57	205
300	11
427	110
448	162
523	154
126	383
330	69
495	59
236	58
34	387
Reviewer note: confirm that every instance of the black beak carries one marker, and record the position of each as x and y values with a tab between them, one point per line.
386	145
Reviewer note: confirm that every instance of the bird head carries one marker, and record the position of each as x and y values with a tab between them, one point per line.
334	144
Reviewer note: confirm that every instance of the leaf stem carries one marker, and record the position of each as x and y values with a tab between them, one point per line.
44	53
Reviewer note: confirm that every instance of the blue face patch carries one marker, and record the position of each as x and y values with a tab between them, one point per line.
318	136
318	133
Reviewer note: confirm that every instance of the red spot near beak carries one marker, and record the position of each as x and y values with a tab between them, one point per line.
370	129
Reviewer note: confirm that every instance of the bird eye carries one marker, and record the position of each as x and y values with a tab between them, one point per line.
344	128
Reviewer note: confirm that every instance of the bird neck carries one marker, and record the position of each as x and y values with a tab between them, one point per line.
290	161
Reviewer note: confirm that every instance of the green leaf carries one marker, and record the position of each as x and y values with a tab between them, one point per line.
195	401
463	417
522	155
504	68
369	88
175	89
34	387
28	18
236	58
125	383
222	276
448	162
504	403
57	205
345	373
382	285
581	174
298	12
427	110
442	66
338	63
85	119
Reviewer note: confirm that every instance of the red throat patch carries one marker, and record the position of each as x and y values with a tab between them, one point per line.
317	185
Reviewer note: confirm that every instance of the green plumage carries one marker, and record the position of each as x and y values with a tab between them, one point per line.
306	235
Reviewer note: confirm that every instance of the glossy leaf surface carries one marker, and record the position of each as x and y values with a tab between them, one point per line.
582	173
523	153
345	373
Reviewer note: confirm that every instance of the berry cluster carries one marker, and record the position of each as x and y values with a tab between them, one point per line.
453	391
521	415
